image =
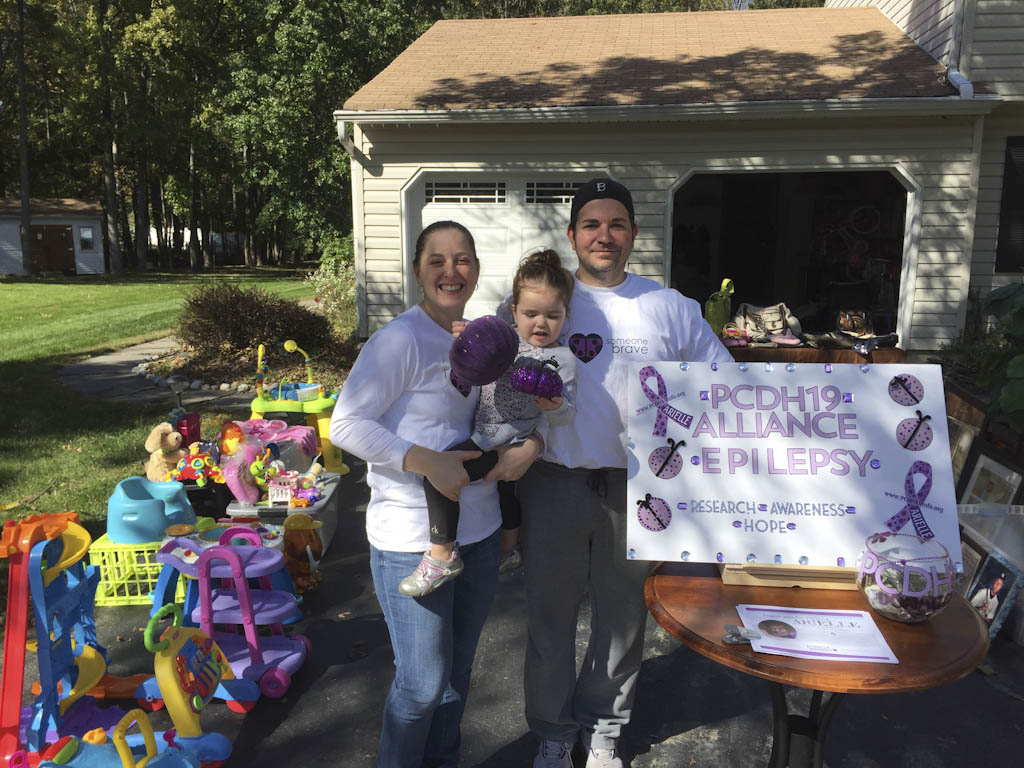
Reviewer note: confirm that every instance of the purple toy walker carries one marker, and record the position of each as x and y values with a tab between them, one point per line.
270	660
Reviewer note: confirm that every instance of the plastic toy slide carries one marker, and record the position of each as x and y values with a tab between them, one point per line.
16	543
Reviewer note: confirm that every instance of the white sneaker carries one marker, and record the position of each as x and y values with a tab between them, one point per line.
603	758
511	560
553	754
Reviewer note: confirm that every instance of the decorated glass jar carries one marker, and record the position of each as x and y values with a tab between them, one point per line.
905	577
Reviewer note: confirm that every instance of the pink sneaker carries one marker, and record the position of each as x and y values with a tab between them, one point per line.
430	574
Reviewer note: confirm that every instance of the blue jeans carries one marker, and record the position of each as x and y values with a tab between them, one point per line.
434	639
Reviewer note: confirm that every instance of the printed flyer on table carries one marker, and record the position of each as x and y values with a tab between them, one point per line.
811	633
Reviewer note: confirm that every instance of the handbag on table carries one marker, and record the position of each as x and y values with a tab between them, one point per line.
774	320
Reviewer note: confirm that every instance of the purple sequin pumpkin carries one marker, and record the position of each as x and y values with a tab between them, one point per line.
537	380
484	350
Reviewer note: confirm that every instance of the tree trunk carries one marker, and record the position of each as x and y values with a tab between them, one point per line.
142	212
178	234
127	245
110	202
209	257
193	213
28	263
238	249
157	203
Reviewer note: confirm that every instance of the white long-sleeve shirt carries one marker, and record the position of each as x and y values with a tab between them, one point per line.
607	328
398	394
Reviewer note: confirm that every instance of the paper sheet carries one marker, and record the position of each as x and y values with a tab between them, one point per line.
813	633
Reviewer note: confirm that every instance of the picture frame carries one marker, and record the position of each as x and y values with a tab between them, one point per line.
971	556
966	419
995	572
990	478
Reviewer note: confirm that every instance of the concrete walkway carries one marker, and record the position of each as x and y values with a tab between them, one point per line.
113	377
690	712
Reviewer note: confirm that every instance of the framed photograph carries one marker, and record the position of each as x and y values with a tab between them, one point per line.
995	589
971	554
992	480
966	418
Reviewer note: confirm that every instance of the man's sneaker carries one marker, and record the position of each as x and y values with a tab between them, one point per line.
553	754
511	560
430	574
603	758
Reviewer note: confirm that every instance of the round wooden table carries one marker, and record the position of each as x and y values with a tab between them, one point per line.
693	604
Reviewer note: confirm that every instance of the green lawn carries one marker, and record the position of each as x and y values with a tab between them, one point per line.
62	451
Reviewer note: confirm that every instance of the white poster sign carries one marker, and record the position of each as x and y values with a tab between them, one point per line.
785	463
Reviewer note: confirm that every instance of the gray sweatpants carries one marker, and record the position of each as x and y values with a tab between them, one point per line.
574	543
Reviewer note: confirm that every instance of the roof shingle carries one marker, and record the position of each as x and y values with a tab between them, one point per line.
655	59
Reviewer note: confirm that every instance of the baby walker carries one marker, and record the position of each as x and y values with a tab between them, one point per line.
269	661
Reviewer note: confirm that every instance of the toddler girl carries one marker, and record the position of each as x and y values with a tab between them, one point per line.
541	291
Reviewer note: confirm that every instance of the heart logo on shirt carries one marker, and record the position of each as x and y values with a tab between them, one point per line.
586	348
463	388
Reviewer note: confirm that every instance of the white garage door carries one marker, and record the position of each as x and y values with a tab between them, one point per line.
509	216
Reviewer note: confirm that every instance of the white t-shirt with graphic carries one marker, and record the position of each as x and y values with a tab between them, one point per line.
399	394
607	329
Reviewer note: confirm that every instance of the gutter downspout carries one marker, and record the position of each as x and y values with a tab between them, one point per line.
358	242
953	75
345	139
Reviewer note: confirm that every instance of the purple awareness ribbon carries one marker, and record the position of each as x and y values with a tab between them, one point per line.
912	511
665	411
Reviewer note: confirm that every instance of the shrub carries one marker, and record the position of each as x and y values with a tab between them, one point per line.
334	283
221	319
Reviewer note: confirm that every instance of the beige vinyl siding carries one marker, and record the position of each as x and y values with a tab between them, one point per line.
651	158
1008	120
929	23
997	47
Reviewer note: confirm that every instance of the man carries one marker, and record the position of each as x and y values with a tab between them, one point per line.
987	600
574	501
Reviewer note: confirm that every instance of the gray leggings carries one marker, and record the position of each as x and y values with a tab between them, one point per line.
574	536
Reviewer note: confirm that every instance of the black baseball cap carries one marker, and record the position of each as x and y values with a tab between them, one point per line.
598	189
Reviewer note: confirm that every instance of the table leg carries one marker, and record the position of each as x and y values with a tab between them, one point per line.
797	740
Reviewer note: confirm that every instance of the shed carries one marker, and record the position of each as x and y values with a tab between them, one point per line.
66	237
816	156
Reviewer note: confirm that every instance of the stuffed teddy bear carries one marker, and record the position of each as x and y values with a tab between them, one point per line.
164	446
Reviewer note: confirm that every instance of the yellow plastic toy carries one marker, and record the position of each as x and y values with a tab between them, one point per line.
289	398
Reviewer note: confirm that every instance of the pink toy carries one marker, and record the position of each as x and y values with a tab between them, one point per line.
268	660
277	431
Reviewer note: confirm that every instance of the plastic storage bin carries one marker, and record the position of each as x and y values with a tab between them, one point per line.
128	572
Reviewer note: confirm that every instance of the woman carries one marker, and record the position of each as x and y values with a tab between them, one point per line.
399	411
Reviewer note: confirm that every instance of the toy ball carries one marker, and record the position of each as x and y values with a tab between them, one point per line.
537	380
483	351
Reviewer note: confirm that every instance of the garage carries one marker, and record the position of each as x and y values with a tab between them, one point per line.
842	181
822	242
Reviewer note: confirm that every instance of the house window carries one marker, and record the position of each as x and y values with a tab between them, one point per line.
1010	247
85	238
551	191
493	192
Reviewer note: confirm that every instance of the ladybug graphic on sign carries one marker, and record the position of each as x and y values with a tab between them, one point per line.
913	433
653	513
665	462
905	389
